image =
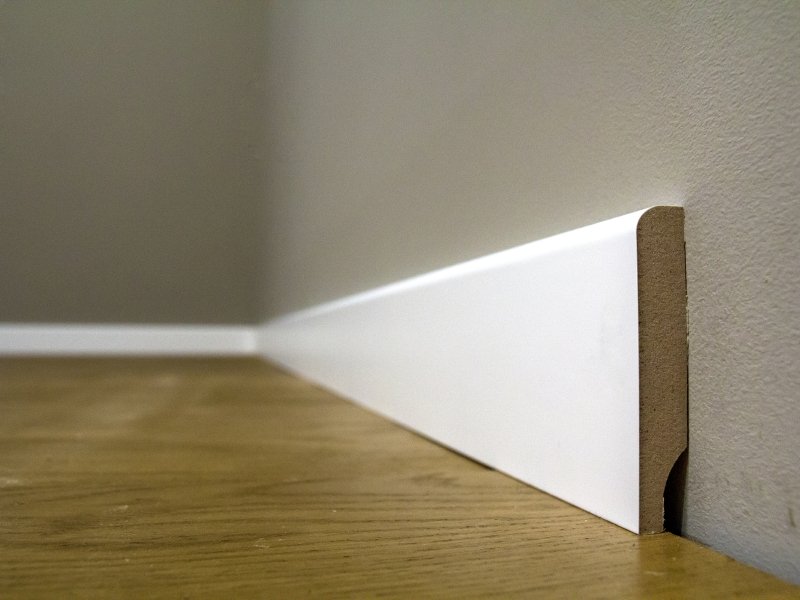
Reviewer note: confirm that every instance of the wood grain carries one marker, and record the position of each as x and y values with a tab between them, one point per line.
184	478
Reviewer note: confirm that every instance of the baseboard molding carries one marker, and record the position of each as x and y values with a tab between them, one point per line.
561	362
21	339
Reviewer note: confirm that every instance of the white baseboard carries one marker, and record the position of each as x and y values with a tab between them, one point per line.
534	360
22	339
526	360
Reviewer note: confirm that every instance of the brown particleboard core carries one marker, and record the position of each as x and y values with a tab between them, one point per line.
662	357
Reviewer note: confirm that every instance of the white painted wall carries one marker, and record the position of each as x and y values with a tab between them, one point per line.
406	136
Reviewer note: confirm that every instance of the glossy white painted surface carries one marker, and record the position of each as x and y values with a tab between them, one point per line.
526	360
125	339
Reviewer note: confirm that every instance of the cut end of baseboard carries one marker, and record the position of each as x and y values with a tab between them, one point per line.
662	357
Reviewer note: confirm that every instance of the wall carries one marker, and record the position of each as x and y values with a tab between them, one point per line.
130	161
408	136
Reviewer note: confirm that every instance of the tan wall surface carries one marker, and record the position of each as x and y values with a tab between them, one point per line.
130	164
406	136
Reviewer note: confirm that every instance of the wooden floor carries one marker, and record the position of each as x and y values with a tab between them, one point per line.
184	478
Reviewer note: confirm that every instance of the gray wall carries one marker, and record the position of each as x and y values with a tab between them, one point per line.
410	135
130	163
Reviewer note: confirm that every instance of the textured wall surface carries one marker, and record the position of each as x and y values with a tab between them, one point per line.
743	272
408	136
130	164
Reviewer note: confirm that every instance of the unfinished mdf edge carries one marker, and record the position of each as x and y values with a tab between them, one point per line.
663	357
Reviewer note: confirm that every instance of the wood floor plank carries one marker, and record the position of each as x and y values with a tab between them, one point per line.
227	477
